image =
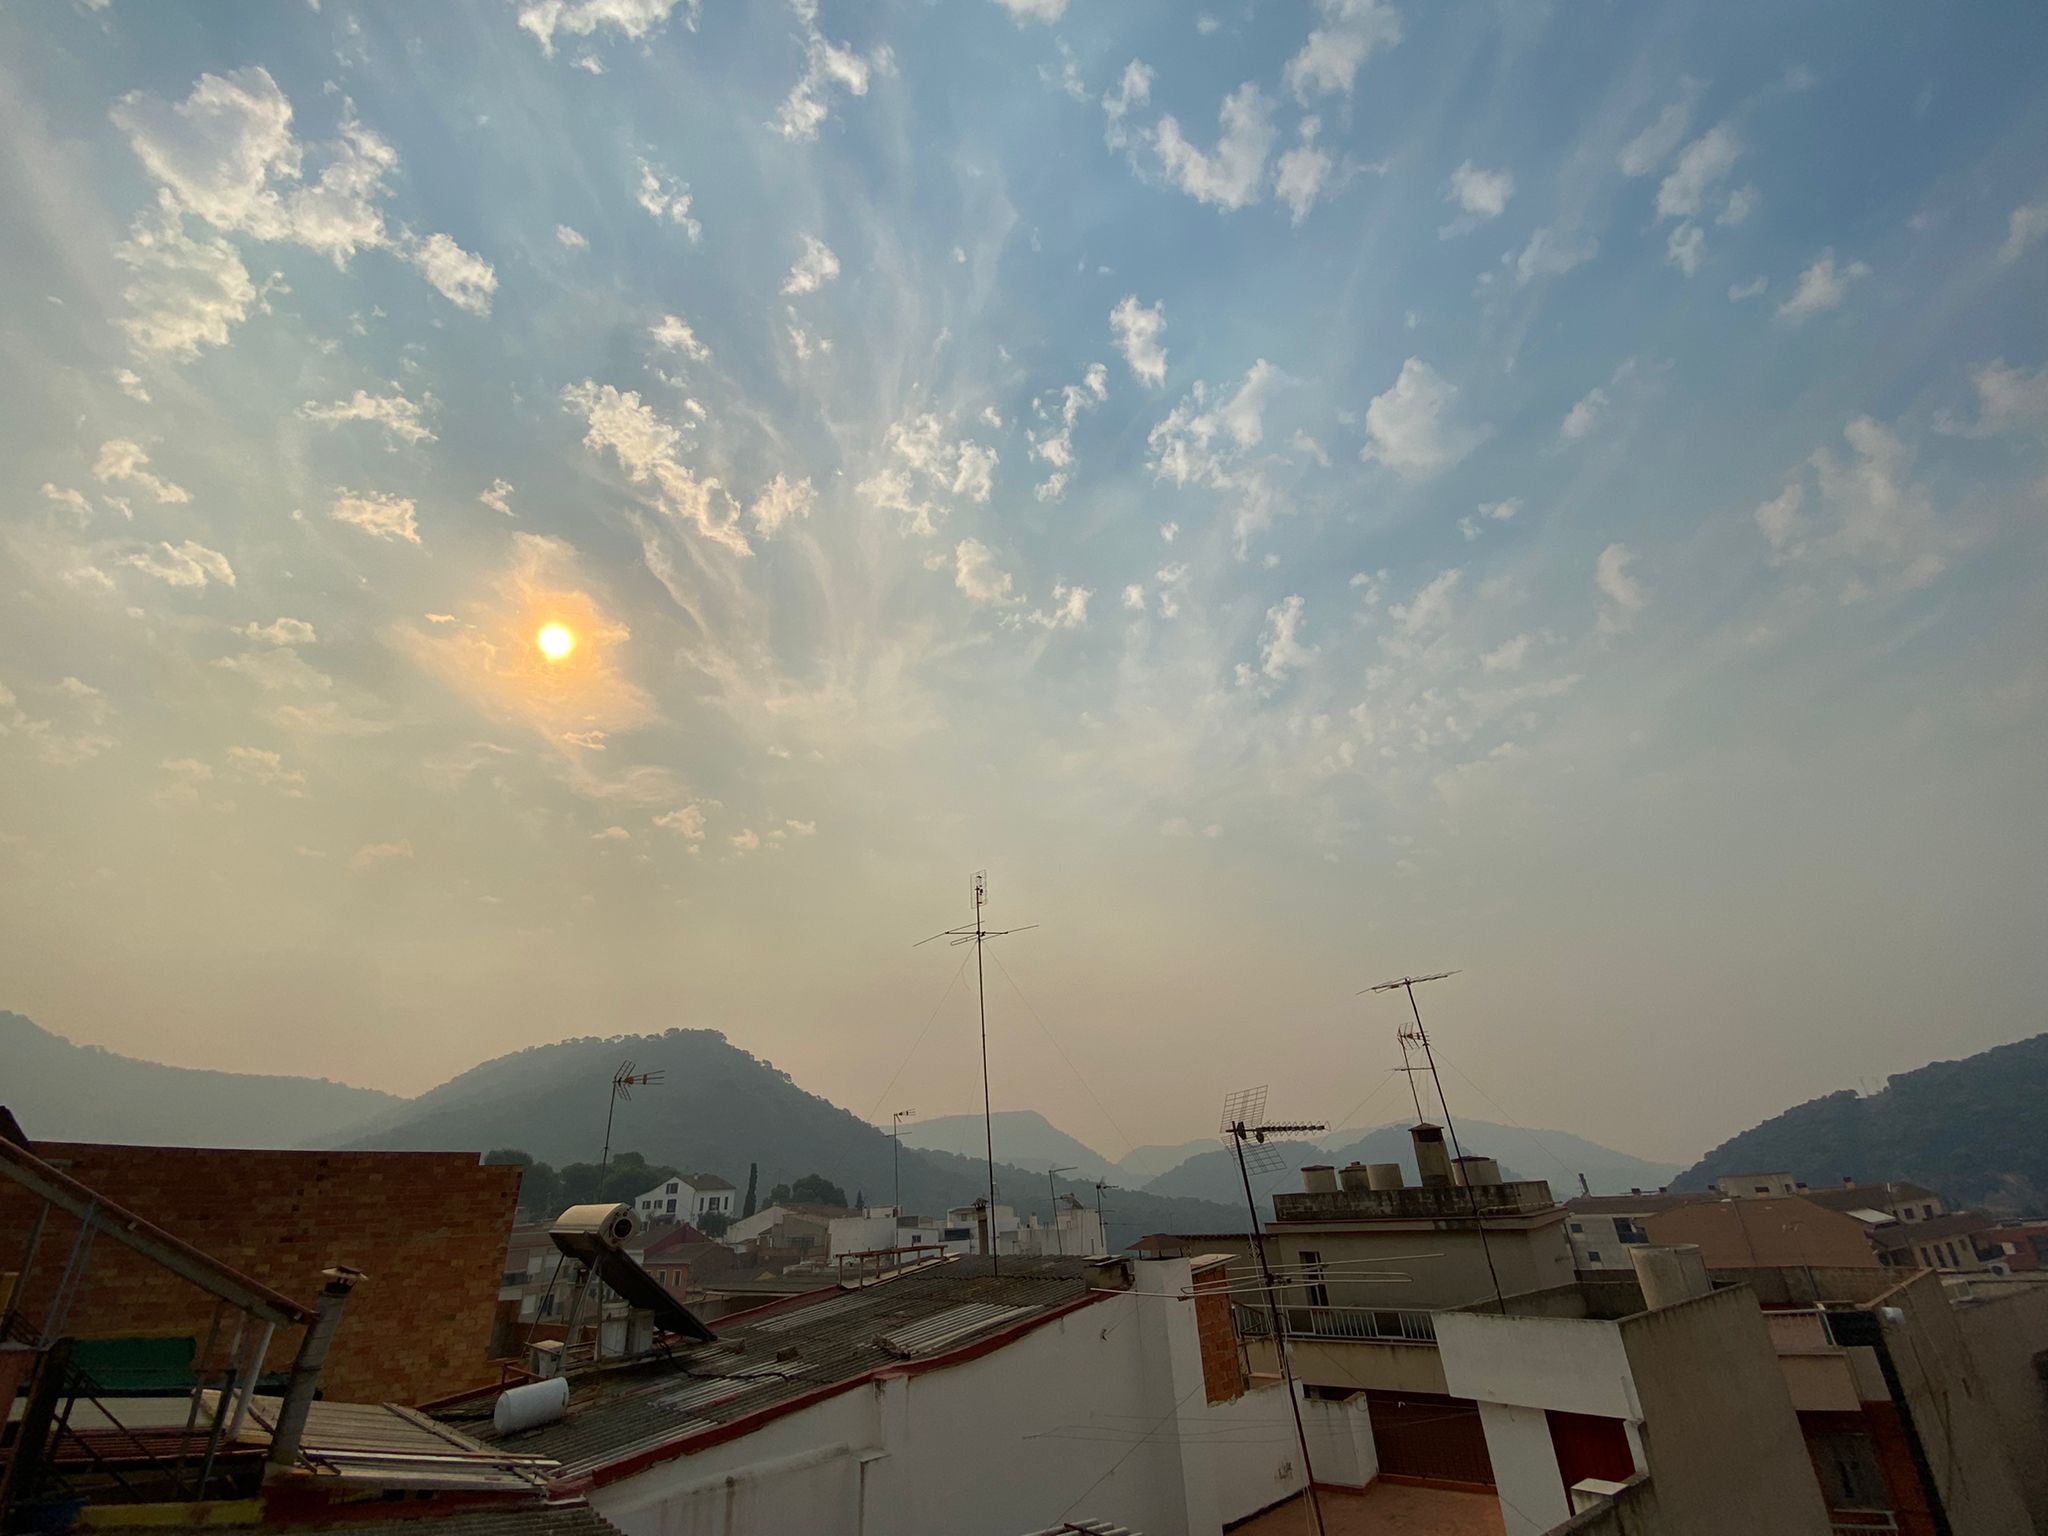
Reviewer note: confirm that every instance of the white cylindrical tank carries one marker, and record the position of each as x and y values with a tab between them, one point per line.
612	1225
1319	1179
536	1403
1384	1176
1352	1176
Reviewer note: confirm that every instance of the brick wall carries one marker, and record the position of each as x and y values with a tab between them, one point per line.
1222	1370
428	1228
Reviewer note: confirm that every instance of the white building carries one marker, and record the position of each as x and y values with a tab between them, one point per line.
951	1399
1076	1232
686	1197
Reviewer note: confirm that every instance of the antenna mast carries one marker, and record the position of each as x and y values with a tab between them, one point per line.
1244	1120
1059	1241
977	935
1408	984
624	1081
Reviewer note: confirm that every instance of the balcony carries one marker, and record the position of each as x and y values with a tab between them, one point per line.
1373	1325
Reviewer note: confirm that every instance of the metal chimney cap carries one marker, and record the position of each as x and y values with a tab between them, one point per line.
342	1277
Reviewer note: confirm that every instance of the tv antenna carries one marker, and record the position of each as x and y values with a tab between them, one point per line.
624	1081
896	1119
1058	1240
977	935
1419	1036
1101	1220
1247	1129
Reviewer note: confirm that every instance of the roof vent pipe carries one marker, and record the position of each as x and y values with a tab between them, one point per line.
1384	1176
305	1376
1432	1161
1354	1176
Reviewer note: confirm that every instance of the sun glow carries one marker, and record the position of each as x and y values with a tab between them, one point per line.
555	641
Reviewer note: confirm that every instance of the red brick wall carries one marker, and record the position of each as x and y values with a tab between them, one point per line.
1222	1370
428	1228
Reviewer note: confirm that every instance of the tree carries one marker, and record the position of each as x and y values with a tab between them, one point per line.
811	1189
540	1187
860	1201
626	1177
753	1183
713	1223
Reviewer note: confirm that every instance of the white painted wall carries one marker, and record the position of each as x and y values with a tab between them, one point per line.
1100	1414
1578	1365
1532	1491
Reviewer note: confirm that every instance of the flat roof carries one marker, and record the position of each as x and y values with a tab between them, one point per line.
783	1356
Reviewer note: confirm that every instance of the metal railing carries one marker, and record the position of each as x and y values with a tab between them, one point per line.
1376	1325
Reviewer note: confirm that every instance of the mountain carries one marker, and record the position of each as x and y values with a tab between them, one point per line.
1022	1136
1141	1165
1972	1129
1558	1156
65	1092
717	1109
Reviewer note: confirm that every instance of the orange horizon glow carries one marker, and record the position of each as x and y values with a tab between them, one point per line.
556	641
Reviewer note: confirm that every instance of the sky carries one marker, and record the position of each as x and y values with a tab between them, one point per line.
1299	493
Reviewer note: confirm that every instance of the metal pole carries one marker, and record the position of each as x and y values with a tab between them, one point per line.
21	1276
896	1156
1471	1200
610	1110
1279	1332
988	1116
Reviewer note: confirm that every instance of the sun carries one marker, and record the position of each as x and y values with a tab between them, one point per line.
555	641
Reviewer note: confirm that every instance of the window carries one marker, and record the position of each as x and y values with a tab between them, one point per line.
1763	1189
1950	1250
671	1208
673	1186
1576	1227
1628	1230
1927	1210
1849	1474
1312	1273
1592	1255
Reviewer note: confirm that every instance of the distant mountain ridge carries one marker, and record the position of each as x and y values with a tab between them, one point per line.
1975	1130
67	1092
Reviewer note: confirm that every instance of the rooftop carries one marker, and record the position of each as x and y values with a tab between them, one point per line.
1642	1203
1843	1197
1522	1197
573	1518
706	1181
777	1358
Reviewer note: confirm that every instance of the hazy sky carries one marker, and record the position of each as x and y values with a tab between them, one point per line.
1300	493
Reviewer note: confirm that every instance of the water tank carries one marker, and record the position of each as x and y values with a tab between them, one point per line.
612	1225
1432	1161
1319	1179
539	1402
1476	1170
1354	1176
1384	1176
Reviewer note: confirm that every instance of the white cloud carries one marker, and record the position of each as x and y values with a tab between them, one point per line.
1300	174
1754	288
1552	251
1134	597
781	501
1069	609
130	383
1137	331
611	835
1583	416
646	447
1614	574
187	774
1196	446
1022	11
1653	146
378	514
399	417
184	565
1508	656
2008	399
1352	31
801	828
2029	223
1232	175
976	573
675	333
573	239
1410	428
1430	607
498	497
1874	512
1281	650
1686	248
828	66
813	269
122	462
72	501
281	631
686	821
1821	287
1133	90
1057	448
258	765
464	279
1778	519
372	854
666	199
186	293
1479	194
631	19
1740	205
1703	166
746	840
924	462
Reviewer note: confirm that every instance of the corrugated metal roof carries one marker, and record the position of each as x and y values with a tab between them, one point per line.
932	1334
618	1411
424	1518
1087	1528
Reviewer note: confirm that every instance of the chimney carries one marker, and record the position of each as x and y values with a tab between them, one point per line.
1431	1160
984	1224
1354	1176
305	1377
1384	1176
1319	1179
1470	1171
1848	1182
1670	1275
